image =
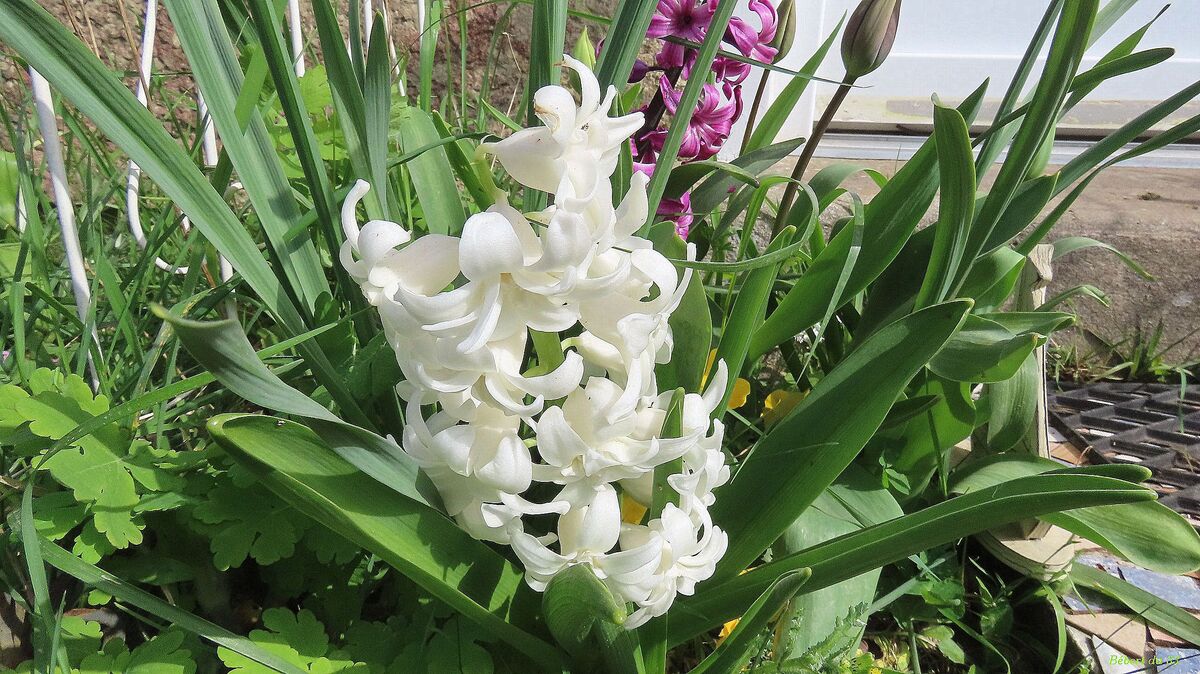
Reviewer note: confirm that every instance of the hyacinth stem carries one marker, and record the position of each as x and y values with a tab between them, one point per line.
806	155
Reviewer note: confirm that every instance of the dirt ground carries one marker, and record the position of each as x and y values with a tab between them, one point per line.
1153	215
112	29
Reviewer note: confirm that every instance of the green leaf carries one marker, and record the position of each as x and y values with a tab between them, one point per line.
746	315
586	620
1071	244
251	149
1158	612
1148	534
296	100
802	455
1012	403
163	653
431	174
684	176
1041	322
1066	51
222	347
377	101
1027	205
782	106
470	577
731	654
856	553
889	221
715	189
97	578
984	351
691	323
956	209
298	638
852	503
252	524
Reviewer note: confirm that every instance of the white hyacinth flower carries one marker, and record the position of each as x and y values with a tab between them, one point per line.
488	426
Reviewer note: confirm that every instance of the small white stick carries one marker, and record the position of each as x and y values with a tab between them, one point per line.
43	101
368	21
297	36
133	177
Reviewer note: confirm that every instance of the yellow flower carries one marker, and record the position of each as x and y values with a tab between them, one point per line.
741	387
778	404
632	512
726	630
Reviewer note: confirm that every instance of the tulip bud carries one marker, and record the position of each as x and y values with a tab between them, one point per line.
869	36
785	34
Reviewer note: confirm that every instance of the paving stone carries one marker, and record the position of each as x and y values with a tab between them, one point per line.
1178	660
1181	591
1123	632
1112	661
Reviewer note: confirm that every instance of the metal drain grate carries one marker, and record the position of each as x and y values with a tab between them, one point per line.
1153	425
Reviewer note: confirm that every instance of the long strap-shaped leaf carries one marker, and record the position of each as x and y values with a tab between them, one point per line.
100	579
417	540
1066	52
215	66
804	453
858	552
732	653
222	348
687	105
80	77
889	222
624	40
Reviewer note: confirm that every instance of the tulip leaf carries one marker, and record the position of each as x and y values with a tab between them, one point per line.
848	556
889	221
1062	62
684	176
1148	534
732	653
802	455
1154	610
1041	322
715	189
1071	244
956	209
984	351
1012	403
418	541
1026	206
782	106
586	619
852	503
746	315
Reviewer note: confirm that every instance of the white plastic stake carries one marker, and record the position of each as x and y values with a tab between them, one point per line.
43	102
297	36
133	177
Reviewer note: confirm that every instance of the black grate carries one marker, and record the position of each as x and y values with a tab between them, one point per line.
1153	425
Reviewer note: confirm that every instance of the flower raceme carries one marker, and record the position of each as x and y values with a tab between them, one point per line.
509	448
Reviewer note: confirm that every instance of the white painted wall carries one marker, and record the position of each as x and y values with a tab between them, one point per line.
948	47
